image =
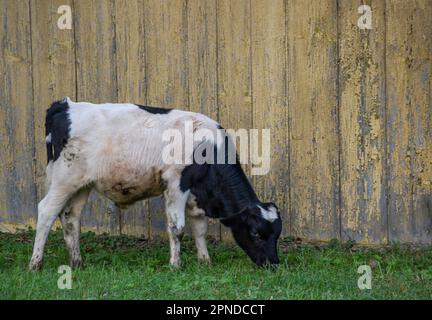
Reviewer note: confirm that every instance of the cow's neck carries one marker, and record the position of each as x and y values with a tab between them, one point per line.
235	191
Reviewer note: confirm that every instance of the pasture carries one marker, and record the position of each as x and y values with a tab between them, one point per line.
123	267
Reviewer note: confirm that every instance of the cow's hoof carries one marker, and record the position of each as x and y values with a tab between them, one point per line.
35	266
175	266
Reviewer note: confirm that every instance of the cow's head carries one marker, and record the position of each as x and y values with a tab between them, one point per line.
256	230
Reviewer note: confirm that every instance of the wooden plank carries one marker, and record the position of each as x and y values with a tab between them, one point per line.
314	151
130	46
166	70
202	67
234	68
409	56
131	81
96	82
362	124
231	58
270	109
18	203
53	72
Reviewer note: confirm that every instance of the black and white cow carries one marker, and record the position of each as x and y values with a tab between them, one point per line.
117	149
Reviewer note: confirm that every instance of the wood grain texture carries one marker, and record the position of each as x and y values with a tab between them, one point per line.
166	70
234	69
314	149
131	80
270	108
362	124
96	82
53	73
409	56
202	67
349	110
17	181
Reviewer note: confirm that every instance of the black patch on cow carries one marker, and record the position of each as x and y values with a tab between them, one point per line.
220	189
57	123
223	191
154	110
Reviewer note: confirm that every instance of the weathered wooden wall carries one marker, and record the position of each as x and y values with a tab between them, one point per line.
350	110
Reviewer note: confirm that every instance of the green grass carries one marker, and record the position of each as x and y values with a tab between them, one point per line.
130	268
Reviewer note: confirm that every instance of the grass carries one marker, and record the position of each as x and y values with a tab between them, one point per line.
129	268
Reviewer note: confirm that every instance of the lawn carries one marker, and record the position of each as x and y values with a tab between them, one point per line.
130	268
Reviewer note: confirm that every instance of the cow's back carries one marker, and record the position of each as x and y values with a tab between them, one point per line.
120	146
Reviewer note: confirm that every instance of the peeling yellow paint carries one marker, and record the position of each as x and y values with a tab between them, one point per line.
362	126
339	123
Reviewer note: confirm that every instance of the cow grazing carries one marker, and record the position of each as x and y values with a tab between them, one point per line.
117	150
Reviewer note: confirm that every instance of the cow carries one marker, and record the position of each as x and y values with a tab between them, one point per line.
117	150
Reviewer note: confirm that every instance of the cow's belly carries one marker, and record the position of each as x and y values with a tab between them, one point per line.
127	185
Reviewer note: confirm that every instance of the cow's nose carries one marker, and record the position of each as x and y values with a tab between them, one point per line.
273	260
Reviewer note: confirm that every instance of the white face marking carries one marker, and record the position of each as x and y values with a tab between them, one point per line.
48	138
270	214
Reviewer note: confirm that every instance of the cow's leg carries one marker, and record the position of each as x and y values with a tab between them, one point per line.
70	219
48	210
199	223
66	178
175	203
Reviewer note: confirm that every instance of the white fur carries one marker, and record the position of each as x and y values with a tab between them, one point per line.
116	149
270	215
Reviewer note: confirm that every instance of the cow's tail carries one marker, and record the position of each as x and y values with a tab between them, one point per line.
57	126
